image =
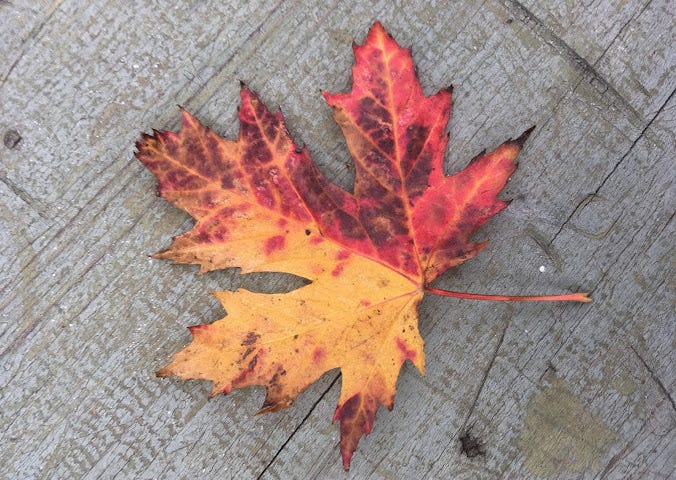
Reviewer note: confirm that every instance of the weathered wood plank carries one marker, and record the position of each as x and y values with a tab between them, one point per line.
86	317
587	27
641	62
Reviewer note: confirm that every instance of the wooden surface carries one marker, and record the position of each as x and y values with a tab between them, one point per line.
549	391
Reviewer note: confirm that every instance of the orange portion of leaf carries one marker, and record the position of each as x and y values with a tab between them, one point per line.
247	211
261	204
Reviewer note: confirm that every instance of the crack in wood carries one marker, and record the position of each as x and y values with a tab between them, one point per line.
39	207
655	378
485	377
298	427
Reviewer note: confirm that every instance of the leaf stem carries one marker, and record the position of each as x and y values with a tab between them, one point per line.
570	297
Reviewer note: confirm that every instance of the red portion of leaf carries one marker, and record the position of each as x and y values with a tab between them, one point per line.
447	214
416	219
355	415
206	169
396	137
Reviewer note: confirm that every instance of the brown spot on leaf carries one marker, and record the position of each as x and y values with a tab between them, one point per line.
406	353
416	136
376	120
252	363
245	372
337	270
348	410
349	227
417	178
318	355
246	353
274	243
258	152
250	339
342	255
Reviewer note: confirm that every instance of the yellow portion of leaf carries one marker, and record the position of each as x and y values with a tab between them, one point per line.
287	341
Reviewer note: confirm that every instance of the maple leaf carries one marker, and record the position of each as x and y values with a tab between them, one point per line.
261	204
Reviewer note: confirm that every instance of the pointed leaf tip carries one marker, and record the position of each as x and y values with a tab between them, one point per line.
521	140
377	25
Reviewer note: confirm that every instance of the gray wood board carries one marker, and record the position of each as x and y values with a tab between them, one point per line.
550	390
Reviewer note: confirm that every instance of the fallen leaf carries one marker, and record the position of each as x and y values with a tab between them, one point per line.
261	204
